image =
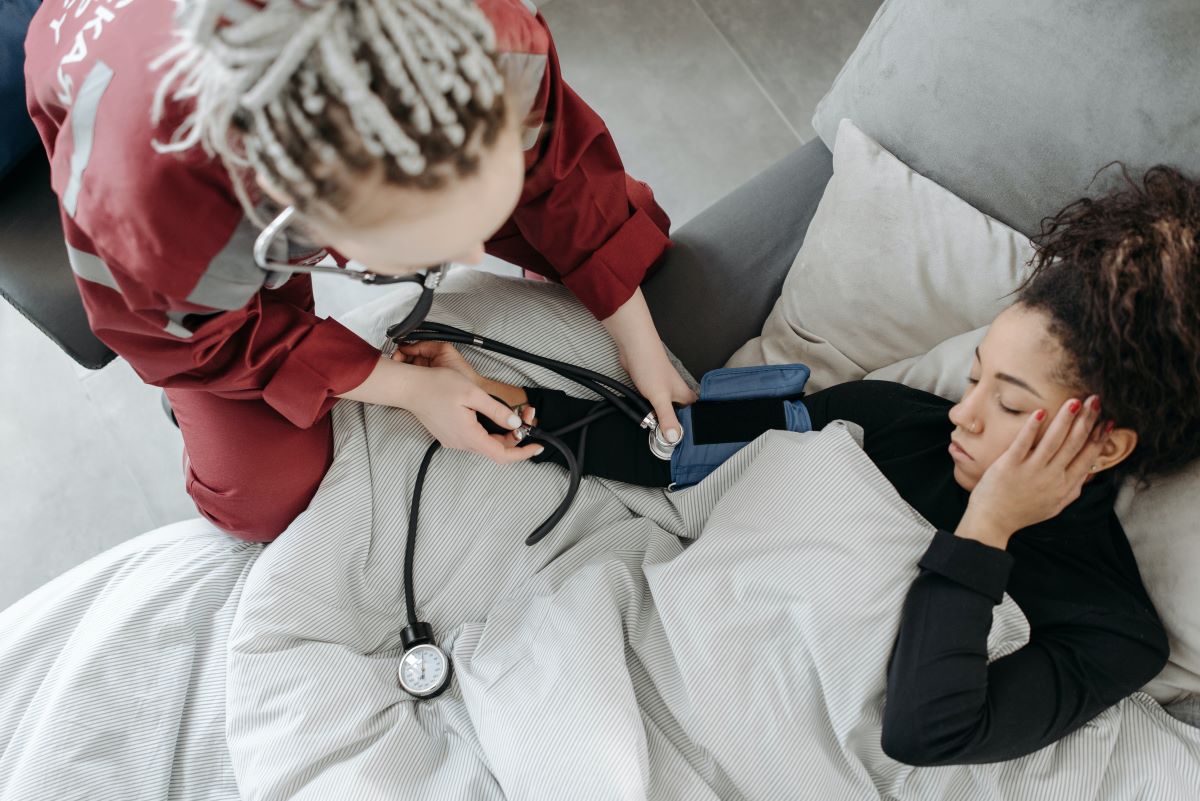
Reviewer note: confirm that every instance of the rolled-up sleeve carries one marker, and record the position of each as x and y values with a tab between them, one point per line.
329	361
581	218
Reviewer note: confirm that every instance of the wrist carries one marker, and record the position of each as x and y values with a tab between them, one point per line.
400	381
388	384
513	396
983	528
631	324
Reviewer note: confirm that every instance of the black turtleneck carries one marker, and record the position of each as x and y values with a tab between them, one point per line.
1094	635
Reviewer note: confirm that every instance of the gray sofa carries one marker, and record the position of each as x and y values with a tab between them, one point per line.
1016	106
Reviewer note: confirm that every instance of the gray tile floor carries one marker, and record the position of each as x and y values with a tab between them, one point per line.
699	94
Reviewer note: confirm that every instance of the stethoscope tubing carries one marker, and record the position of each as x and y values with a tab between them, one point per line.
535	435
620	395
615	395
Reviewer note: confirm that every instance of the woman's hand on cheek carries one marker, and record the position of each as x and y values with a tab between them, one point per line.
1034	480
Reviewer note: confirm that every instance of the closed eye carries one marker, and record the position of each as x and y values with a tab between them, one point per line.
975	381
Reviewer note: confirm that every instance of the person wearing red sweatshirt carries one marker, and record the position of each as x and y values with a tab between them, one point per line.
405	134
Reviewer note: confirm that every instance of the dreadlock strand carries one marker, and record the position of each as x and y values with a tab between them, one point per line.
185	60
272	24
380	131
464	17
274	150
342	71
435	46
308	132
283	87
393	68
394	24
277	76
475	63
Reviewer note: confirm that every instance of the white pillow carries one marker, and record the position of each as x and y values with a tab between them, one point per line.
1161	524
879	290
892	265
942	371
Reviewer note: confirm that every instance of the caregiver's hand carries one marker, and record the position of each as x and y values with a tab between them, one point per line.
445	401
443	354
645	359
1034	480
436	354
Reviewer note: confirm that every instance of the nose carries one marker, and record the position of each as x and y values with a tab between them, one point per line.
963	414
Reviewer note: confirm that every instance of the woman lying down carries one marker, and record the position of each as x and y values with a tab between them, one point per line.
1092	375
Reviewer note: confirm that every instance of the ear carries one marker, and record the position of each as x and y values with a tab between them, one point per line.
1119	443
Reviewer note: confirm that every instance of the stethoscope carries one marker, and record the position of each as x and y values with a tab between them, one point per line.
425	668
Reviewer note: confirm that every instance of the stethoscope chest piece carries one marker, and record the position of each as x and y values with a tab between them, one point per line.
424	668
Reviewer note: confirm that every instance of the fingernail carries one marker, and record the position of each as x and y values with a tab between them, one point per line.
1073	406
1109	427
1039	415
514	422
673	435
537	451
1095	403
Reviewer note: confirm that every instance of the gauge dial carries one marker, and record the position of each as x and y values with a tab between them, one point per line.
424	670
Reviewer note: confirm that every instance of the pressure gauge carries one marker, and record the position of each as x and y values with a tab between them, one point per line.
424	671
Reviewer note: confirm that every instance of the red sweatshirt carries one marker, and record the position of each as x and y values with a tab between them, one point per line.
161	248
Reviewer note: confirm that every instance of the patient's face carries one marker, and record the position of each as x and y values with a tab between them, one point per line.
1015	373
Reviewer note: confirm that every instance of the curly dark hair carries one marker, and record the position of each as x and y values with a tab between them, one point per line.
1119	278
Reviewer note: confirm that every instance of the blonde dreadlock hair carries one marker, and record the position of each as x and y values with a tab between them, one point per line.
309	93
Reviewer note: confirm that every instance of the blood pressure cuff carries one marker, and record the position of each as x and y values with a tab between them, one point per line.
17	134
736	405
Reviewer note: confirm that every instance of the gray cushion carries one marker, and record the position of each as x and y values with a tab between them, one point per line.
1014	105
716	286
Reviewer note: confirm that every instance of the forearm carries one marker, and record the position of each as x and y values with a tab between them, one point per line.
937	677
937	709
631	325
387	385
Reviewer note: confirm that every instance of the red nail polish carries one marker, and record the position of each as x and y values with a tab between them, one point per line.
1109	427
1073	406
1096	404
1039	415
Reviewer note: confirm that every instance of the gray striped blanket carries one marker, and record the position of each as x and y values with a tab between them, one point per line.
724	642
611	662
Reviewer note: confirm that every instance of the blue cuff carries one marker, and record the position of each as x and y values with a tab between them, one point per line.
691	463
764	381
796	414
